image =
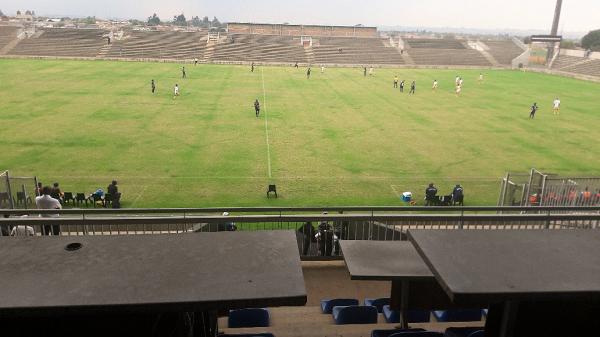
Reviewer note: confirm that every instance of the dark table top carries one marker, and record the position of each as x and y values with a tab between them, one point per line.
384	260
150	273
481	266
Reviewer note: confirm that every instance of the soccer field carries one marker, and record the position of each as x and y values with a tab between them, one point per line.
336	139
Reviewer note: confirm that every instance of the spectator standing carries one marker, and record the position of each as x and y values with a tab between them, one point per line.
431	195
308	235
46	201
458	195
153	86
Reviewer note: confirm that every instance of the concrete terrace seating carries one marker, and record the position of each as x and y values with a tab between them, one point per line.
62	42
161	45
435	43
504	51
7	34
564	61
450	52
260	48
362	51
449	57
577	65
589	68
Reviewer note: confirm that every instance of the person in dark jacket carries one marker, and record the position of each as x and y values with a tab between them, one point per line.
431	198
457	195
308	235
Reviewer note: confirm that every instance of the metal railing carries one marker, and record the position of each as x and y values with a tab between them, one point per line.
318	234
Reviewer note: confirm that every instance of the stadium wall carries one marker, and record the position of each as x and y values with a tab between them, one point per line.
579	53
299	30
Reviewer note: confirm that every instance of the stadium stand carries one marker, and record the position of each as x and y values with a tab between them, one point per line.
62	42
7	34
444	52
355	51
159	45
564	61
435	44
260	48
504	51
589	68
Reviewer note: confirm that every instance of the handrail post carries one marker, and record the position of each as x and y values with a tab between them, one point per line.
462	219
548	219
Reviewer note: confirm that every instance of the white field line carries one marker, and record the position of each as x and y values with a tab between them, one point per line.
421	179
262	75
395	191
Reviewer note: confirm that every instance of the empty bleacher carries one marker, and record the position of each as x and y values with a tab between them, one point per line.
504	51
355	51
435	43
7	34
260	48
589	68
159	45
62	42
442	52
564	61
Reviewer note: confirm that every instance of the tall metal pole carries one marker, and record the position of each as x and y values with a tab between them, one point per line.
556	18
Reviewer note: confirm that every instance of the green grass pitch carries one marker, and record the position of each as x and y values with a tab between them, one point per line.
336	139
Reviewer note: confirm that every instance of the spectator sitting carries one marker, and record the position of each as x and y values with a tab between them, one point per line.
38	190
56	193
431	198
22	230
4	229
457	195
47	202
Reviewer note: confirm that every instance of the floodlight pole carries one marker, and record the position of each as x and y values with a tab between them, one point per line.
557	11
554	31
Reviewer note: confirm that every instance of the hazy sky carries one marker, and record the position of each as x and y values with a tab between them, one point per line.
578	15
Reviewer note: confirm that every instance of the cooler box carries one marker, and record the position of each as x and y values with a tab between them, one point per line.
407	196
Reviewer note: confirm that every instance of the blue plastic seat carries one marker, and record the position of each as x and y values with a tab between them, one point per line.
458	315
355	314
328	304
461	331
418	334
248	318
414	316
389	332
484	312
377	303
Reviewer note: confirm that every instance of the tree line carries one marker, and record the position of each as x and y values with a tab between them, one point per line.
181	20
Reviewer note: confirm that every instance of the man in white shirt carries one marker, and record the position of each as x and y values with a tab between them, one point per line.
176	91
556	106
45	201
